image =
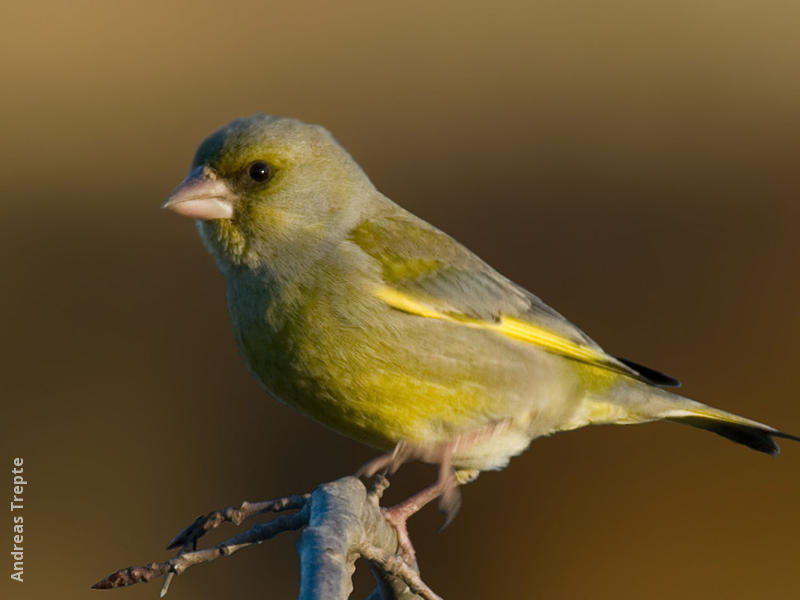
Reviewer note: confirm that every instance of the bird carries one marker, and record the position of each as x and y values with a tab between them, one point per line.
384	328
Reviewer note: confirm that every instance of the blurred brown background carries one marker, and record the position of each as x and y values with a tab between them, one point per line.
633	163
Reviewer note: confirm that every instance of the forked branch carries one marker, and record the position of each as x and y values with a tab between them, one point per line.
342	521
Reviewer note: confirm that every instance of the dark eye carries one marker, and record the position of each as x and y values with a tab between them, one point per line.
259	171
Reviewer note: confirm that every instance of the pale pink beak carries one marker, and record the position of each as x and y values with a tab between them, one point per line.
202	196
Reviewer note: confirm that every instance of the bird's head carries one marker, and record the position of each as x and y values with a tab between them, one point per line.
263	186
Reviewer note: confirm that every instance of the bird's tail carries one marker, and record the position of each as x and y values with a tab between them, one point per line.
741	430
639	403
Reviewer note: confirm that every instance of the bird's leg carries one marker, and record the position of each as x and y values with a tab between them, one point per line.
445	487
389	462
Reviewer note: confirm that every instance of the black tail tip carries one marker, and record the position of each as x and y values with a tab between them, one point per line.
757	438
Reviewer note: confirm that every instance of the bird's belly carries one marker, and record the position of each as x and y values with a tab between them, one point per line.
427	386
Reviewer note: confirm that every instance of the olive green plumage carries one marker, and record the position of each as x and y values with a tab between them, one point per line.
379	325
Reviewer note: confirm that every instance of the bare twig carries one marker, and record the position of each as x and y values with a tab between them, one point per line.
393	564
231	514
255	535
342	523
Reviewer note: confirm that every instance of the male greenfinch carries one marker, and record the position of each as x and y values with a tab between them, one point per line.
382	327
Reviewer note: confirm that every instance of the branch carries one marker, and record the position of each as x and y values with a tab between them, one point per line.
400	573
343	522
184	560
190	534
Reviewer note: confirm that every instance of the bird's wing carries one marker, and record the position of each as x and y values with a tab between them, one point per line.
426	273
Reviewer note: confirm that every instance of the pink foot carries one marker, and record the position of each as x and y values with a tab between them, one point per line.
446	488
397	519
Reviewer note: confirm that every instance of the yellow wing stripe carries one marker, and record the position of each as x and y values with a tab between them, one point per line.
508	326
403	302
533	334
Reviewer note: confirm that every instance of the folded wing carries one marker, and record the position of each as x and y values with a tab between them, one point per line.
428	274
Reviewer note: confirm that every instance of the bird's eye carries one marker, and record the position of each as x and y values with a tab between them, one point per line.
259	171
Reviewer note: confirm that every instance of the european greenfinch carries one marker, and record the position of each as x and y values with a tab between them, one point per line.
382	327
